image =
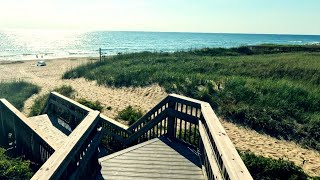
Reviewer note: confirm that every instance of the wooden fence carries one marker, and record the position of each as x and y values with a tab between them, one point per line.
21	135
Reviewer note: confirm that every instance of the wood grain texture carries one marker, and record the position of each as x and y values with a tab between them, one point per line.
159	158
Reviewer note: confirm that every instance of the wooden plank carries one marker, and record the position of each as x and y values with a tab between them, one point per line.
149	113
146	166
63	98
29	124
210	153
59	161
154	175
120	177
147	161
186	100
115	124
230	157
65	108
127	150
184	116
44	123
160	169
146	127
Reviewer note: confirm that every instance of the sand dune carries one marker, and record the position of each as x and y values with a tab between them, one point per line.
49	77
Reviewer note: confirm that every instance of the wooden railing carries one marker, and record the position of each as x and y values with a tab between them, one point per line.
67	110
192	122
78	158
22	136
74	161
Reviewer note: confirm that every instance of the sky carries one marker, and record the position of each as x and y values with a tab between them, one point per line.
217	16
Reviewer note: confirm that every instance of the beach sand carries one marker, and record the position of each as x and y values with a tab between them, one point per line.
49	77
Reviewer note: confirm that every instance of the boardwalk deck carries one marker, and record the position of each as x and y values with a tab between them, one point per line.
159	158
52	129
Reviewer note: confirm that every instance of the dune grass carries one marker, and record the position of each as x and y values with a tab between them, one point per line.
277	94
266	168
17	92
14	167
41	101
130	114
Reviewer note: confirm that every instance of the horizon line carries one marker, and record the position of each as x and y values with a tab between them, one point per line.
155	31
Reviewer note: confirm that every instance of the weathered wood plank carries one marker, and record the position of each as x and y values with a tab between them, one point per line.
141	161
153	175
184	116
230	157
56	165
148	114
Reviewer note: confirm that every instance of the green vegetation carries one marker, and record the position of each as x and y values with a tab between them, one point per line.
130	115
93	105
17	92
277	94
41	101
13	168
263	168
64	90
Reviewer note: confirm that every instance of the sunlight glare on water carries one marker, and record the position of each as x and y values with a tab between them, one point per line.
26	44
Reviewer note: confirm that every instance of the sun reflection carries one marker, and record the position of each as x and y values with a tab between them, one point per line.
42	40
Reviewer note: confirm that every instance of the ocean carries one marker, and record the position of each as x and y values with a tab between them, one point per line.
26	44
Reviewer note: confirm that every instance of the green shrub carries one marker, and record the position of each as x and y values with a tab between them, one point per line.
268	169
17	92
41	101
93	105
65	90
13	168
130	115
38	105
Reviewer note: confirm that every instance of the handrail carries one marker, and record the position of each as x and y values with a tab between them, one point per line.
195	123
66	109
30	140
188	120
146	118
232	166
63	158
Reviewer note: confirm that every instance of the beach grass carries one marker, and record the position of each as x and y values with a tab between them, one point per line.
266	168
41	101
17	92
14	167
273	93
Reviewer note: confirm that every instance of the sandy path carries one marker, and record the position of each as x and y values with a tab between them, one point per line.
49	77
249	140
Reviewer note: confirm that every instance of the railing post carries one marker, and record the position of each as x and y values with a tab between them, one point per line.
171	133
4	133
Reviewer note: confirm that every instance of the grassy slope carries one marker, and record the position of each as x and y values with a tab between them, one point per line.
277	94
17	92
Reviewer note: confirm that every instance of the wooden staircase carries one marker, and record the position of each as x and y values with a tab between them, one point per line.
179	138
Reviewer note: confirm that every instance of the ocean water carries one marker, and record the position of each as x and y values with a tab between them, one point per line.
26	44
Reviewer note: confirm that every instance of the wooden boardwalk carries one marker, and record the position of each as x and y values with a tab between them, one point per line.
51	127
158	158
